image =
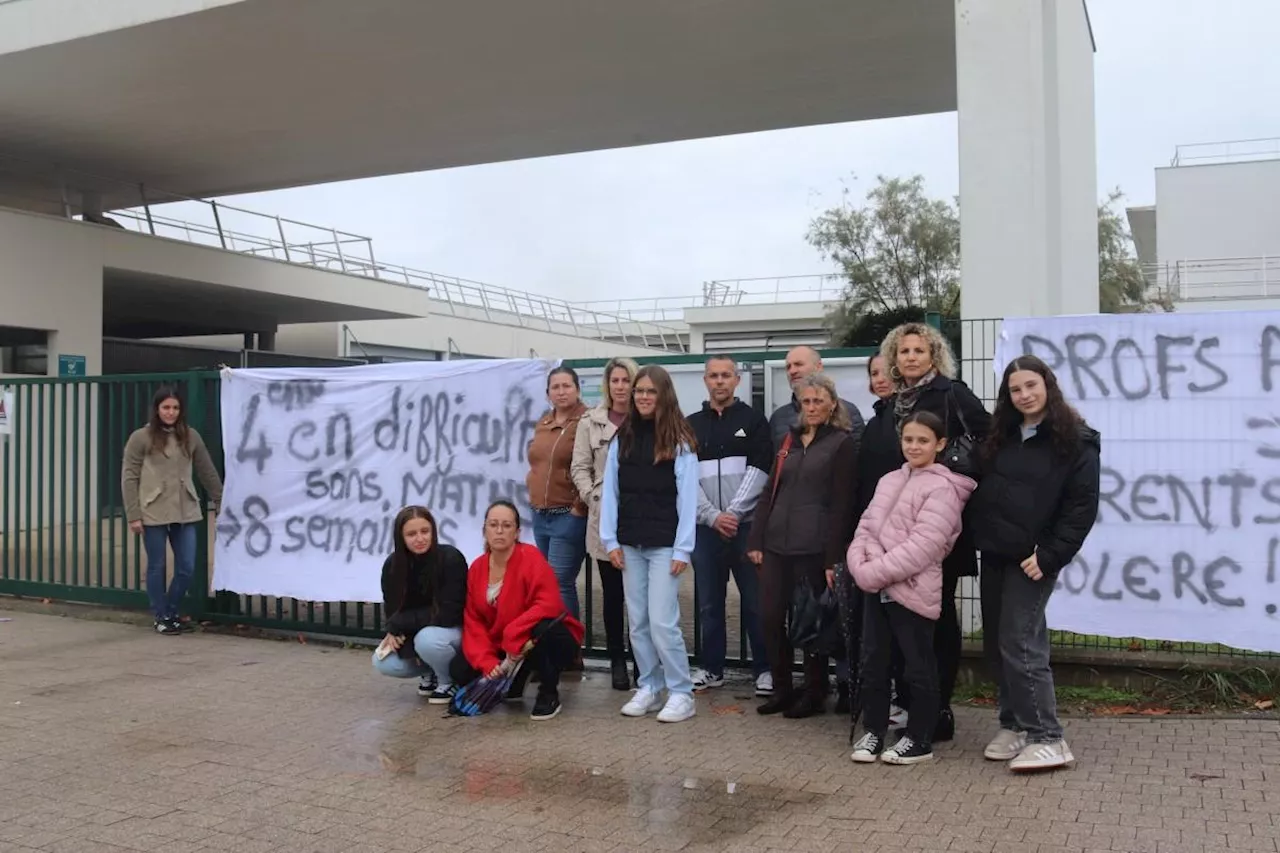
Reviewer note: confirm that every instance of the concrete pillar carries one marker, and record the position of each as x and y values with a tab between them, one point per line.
1028	167
250	340
267	341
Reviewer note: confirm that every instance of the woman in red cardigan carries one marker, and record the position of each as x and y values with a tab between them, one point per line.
512	597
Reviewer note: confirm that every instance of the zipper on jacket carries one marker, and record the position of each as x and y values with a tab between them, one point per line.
546	493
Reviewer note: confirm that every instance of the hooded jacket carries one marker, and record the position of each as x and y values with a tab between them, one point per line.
1032	500
911	525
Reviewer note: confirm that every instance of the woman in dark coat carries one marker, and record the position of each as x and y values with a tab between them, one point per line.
923	368
424	590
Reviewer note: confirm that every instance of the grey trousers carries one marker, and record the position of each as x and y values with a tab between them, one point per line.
1015	641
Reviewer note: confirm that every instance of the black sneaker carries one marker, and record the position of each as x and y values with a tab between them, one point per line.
166	626
546	706
427	684
868	748
441	695
907	751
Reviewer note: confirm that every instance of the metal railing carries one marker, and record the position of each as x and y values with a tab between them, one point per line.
212	223
1232	151
775	290
1200	279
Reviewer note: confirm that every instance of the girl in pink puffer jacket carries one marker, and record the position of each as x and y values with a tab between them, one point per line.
896	558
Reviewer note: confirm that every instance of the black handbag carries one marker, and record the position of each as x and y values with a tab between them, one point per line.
814	621
961	452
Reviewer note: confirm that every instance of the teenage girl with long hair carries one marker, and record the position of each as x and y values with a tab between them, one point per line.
648	520
161	503
1037	502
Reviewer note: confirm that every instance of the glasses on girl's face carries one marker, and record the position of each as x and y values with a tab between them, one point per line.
503	526
646	392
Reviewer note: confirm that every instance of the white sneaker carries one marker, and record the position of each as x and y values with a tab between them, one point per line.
679	707
703	680
644	701
1005	746
1043	756
764	684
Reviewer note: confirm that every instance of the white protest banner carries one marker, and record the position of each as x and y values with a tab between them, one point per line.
1188	529
319	461
6	410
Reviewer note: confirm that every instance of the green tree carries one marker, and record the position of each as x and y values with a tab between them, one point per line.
1122	287
900	251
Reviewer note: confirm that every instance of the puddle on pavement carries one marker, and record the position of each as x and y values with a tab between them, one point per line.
696	809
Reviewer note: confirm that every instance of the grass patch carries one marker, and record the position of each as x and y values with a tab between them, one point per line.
1071	640
1188	691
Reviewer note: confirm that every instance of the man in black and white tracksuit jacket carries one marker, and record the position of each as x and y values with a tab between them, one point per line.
735	452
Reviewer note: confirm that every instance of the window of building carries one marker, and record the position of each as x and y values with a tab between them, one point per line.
24	351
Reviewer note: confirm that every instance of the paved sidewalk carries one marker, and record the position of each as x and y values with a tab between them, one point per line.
114	739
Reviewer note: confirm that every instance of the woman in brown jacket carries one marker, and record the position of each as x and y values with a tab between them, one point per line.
802	528
559	515
161	502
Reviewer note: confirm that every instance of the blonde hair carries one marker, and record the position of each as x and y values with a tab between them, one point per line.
944	361
611	365
839	417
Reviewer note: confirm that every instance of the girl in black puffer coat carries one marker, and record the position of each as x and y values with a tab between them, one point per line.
1036	503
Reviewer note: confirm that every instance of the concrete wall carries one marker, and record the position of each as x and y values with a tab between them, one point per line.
755	327
51	279
1227	210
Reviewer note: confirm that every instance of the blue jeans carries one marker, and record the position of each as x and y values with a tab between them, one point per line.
562	539
436	648
164	604
653	607
714	559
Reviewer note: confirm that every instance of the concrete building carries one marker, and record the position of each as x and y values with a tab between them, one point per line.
188	99
1211	241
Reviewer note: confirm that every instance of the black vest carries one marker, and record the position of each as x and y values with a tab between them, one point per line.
647	516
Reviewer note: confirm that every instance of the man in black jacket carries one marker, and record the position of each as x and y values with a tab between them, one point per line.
735	452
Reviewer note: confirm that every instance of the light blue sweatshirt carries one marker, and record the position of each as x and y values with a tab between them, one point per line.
686	503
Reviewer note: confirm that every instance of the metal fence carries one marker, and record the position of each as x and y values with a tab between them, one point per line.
63	534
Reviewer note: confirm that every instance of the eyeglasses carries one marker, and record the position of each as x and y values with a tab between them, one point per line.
500	525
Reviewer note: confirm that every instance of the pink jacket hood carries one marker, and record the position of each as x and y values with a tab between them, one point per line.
911	525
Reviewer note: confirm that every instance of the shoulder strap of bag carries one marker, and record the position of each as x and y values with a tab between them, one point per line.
951	398
783	452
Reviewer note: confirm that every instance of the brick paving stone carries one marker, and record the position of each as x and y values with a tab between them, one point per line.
114	739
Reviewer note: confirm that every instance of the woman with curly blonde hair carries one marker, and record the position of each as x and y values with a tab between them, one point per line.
922	368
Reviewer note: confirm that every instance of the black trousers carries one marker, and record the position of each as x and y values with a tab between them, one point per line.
885	624
614	604
779	575
946	649
554	650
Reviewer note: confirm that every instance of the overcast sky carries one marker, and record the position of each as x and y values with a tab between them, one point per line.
660	220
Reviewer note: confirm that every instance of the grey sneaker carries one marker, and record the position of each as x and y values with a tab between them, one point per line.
1005	746
1043	756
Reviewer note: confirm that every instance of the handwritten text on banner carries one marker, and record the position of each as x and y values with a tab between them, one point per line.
319	461
1189	522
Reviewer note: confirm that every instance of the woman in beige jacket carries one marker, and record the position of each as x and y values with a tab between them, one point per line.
590	450
161	502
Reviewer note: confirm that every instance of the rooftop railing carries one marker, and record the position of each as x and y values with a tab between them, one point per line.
775	290
1201	279
1234	151
213	223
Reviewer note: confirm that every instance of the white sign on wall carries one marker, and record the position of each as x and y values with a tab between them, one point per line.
6	411
849	374
320	460
1188	536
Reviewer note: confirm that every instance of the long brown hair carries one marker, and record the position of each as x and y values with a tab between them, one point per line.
402	558
670	430
1062	421
157	429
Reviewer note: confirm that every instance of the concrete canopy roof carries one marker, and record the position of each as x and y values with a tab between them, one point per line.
263	94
